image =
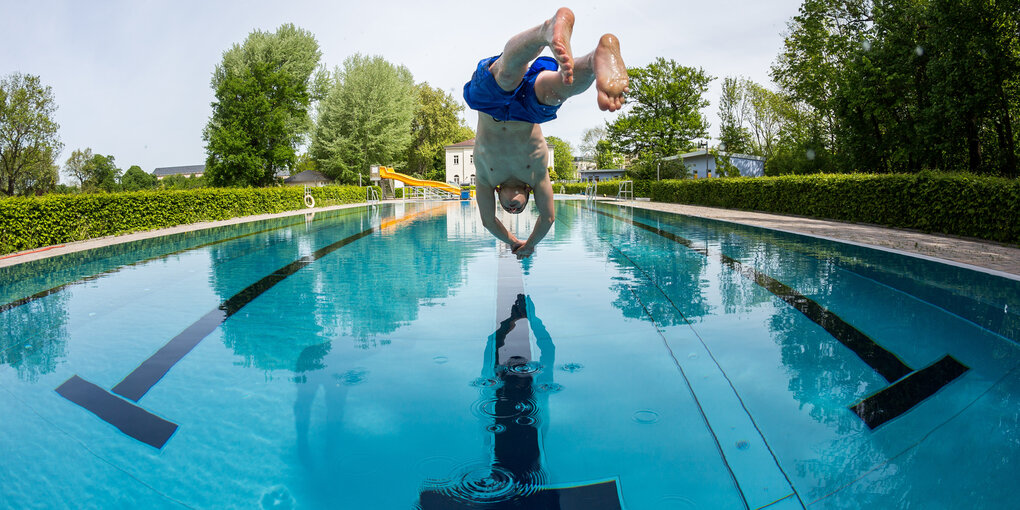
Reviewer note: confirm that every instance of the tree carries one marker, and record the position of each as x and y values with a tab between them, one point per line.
563	157
590	140
102	174
364	119
264	88
135	179
436	123
734	110
664	115
28	135
606	157
75	166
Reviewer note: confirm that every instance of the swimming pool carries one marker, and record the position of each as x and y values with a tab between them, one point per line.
397	356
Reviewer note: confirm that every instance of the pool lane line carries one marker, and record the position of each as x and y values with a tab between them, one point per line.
909	387
43	293
143	425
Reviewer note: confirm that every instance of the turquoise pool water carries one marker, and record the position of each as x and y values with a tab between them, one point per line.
397	356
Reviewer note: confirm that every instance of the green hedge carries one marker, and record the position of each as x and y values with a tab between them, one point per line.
34	222
946	203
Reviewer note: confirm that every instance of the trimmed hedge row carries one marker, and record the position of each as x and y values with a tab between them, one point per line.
33	222
956	204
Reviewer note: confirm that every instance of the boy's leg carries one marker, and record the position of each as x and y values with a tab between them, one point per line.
524	47
604	66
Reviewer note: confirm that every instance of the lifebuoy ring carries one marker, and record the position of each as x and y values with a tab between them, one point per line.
309	201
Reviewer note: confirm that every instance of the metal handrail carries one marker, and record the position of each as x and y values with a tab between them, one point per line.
626	190
371	195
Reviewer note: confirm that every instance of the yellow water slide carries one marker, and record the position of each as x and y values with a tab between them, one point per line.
388	173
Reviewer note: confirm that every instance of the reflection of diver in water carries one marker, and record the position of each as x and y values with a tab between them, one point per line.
519	388
312	371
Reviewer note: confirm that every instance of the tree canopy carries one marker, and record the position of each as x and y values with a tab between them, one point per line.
264	88
664	113
908	85
563	157
436	124
29	143
365	118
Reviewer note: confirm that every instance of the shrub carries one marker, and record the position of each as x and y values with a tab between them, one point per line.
33	222
946	203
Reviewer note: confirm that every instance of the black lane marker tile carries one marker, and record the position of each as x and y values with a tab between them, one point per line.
906	393
129	418
139	381
882	361
143	378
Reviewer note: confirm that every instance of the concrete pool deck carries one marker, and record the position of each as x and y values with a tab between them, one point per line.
992	257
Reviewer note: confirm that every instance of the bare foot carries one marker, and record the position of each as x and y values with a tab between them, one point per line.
611	79
559	42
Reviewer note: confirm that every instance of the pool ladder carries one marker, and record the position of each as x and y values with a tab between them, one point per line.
371	195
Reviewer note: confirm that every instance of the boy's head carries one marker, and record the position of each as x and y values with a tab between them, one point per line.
513	197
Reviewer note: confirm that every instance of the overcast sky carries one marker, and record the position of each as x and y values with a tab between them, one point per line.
131	78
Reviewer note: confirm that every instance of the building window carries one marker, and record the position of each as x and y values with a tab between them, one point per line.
472	159
456	159
456	179
472	179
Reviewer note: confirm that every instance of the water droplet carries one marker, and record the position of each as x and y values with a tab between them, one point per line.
743	445
525	420
866	45
646	416
440	359
548	388
531	367
352	377
28	346
919	51
571	367
810	154
277	498
486	382
496	428
92	314
693	355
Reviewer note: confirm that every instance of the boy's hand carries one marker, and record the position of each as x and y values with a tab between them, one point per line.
524	251
515	245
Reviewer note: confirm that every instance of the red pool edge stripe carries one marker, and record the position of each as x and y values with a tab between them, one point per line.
31	252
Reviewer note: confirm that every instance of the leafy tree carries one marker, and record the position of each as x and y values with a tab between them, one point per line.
182	182
304	162
436	124
76	163
664	115
563	157
734	111
28	135
102	174
907	85
606	157
590	139
365	118
264	88
135	179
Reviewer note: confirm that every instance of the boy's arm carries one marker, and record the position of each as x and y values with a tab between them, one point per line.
486	200
546	216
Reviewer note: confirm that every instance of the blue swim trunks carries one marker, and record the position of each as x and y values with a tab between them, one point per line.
482	93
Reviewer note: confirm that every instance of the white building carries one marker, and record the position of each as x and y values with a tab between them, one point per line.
701	163
460	162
